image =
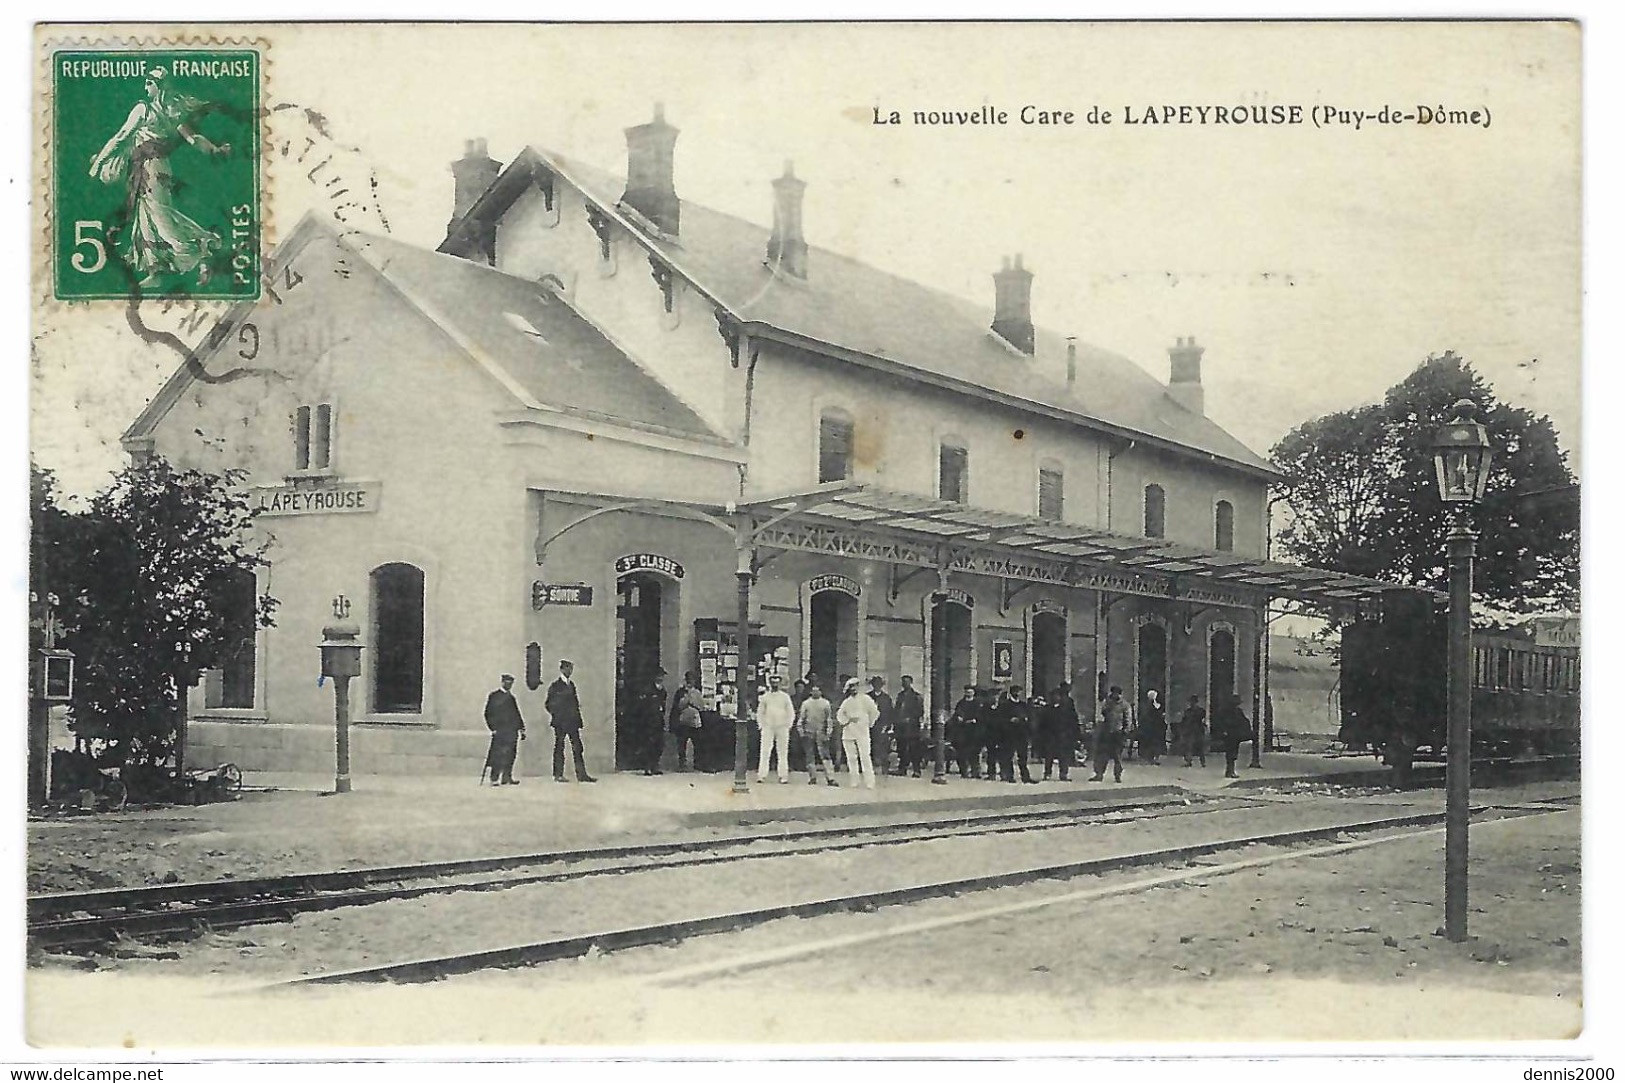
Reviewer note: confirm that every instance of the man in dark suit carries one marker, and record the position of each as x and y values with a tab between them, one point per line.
564	712
911	741
507	728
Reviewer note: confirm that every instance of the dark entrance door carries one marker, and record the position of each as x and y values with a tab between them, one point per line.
637	654
832	634
1153	670
950	652
1049	652
1221	669
397	614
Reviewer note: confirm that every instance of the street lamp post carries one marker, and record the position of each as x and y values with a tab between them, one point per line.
341	660
1461	460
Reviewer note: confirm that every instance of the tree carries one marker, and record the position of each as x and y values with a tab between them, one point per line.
1363	498
142	597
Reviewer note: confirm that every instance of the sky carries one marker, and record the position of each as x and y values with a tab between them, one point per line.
1317	265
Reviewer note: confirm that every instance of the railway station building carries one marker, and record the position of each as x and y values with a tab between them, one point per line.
601	416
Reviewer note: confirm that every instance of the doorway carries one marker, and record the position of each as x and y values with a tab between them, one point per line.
1152	672
1221	669
832	639
950	652
640	598
1048	652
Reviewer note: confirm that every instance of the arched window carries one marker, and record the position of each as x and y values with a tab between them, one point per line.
834	446
397	636
953	472
1224	526
1051	491
232	685
1155	523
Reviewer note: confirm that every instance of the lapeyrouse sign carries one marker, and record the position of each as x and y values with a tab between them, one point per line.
333	498
155	173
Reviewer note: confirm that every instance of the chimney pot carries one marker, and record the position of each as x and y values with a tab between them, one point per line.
1185	374
472	174
1012	305
787	245
649	187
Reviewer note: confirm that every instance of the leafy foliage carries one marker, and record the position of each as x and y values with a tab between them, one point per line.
1363	497
140	583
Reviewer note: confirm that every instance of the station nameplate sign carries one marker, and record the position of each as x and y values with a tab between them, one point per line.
834	582
1557	631
542	594
332	498
648	562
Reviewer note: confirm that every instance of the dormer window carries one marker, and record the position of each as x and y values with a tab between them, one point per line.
834	446
313	437
1155	509
953	473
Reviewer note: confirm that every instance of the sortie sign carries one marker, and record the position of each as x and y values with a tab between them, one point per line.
542	594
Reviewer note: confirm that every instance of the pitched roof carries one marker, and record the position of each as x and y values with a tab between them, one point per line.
850	305
547	350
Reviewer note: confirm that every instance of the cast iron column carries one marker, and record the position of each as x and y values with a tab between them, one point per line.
939	772
1458	767
743	682
341	716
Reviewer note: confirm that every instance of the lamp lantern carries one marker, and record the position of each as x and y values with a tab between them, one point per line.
1461	456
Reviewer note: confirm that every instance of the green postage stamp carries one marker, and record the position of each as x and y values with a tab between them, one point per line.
155	173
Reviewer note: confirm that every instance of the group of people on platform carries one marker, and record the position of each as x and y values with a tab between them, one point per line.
991	732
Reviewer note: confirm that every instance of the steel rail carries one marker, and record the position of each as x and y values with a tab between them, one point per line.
279	898
616	939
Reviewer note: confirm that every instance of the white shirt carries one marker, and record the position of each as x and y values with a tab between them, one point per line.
776	709
857	711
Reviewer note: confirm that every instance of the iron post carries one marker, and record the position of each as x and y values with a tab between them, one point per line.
1458	765
743	682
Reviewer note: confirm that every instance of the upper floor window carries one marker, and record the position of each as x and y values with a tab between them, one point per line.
313	437
834	447
1051	493
1155	511
1224	526
953	473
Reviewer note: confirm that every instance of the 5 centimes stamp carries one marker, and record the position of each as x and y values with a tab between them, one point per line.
156	173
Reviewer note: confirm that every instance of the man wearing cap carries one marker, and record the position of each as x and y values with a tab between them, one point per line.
775	714
815	729
857	716
649	710
911	741
962	733
880	736
564	714
1111	732
507	728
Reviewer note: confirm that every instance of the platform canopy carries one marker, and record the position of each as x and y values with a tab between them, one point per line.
904	529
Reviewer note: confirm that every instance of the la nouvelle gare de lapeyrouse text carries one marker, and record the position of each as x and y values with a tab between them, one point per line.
1235	115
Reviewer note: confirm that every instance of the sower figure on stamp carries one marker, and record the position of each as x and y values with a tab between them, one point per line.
507	728
564	713
158	240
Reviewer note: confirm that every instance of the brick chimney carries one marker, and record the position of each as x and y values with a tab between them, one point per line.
649	188
473	173
787	247
1185	374
1013	305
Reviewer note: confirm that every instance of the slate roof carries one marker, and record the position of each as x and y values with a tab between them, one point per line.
546	347
850	305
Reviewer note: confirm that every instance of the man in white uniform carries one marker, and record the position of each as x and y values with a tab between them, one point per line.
775	714
857	716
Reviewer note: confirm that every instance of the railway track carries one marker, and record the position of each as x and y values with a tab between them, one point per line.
92	918
660	932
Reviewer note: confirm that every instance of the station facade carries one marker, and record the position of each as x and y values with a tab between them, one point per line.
600	418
